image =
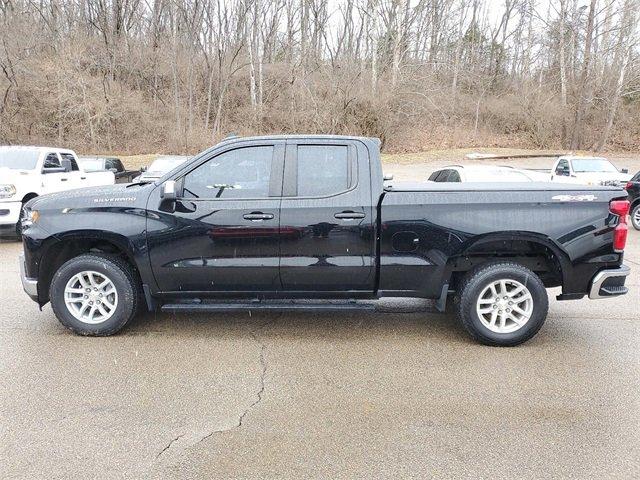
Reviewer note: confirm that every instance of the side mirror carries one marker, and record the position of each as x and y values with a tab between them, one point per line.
387	177
625	170
143	169
168	191
66	164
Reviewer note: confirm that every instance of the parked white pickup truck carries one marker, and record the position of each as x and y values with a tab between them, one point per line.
588	171
27	172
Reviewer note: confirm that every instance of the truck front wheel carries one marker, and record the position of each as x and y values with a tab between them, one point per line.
94	294
502	304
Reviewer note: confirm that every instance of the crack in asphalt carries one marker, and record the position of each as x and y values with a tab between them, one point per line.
168	446
259	394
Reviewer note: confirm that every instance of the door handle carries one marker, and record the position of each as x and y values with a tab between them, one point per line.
348	215
257	216
83	178
64	179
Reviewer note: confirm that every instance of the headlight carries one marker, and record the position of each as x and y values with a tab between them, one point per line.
7	191
30	217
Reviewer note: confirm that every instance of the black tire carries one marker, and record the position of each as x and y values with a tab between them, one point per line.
121	275
635	216
477	280
19	224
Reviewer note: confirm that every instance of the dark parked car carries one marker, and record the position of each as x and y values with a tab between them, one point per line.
112	164
633	189
255	222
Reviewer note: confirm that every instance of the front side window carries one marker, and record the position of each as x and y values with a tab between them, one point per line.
442	176
563	168
241	173
52	161
323	170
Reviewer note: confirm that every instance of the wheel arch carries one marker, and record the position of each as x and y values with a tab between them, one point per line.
532	250
29	196
73	244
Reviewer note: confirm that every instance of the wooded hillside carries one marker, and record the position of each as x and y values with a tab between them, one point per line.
178	75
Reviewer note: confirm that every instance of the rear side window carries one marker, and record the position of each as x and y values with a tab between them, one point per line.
453	176
240	173
323	170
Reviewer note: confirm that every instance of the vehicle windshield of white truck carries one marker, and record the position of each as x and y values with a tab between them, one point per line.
581	165
18	159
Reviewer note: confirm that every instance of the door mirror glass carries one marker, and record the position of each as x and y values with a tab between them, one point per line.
66	165
168	191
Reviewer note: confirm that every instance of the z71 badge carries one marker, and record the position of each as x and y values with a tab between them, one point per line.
574	198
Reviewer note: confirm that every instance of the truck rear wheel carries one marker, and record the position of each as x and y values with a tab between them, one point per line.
94	294
502	304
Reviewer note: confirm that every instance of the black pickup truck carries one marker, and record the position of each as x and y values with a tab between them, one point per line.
108	164
256	223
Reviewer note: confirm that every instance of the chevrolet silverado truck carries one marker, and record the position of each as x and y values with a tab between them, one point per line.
27	172
262	223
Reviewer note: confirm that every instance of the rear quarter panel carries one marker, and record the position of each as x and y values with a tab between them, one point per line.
575	224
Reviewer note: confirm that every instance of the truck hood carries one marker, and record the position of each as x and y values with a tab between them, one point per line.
20	178
120	195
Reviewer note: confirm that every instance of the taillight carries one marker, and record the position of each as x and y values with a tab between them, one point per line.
621	209
628	186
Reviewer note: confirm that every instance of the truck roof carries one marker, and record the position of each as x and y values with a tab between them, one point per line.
35	148
300	137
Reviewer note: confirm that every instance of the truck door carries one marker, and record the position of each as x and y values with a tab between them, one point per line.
77	179
223	235
327	241
54	176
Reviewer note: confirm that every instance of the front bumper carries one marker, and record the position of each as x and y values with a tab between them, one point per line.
10	212
30	285
609	282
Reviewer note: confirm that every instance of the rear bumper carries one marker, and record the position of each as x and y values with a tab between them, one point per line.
609	283
30	285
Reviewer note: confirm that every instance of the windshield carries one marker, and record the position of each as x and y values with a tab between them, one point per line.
19	159
91	164
162	165
593	165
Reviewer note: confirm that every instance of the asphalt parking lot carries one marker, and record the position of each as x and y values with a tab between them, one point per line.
398	393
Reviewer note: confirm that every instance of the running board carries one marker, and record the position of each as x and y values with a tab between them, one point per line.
266	306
